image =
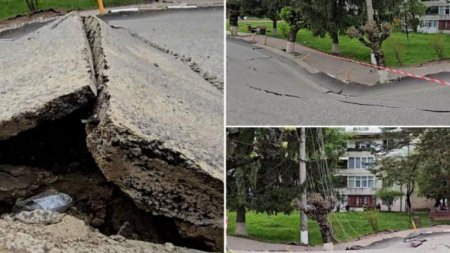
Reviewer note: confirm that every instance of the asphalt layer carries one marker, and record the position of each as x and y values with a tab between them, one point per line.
264	88
19	32
194	33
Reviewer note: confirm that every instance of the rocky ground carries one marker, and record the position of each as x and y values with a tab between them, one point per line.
43	231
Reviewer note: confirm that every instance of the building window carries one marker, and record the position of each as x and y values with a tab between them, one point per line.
361	182
360	162
351	162
363	144
444	10
360	129
433	10
429	24
351	182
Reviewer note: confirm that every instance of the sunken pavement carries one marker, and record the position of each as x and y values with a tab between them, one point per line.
152	125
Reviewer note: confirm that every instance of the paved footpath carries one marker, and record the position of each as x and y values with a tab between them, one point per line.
344	70
438	243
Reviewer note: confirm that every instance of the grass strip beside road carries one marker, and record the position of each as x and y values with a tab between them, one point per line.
347	226
418	50
11	8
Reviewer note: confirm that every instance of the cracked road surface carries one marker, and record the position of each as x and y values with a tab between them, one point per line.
264	88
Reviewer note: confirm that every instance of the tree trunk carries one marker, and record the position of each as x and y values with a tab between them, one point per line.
240	228
234	25
408	203
290	47
325	231
379	56
437	204
275	27
383	76
335	43
414	27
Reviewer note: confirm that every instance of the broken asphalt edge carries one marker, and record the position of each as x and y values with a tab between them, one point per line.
56	107
114	146
313	70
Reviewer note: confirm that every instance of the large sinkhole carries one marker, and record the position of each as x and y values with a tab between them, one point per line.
54	155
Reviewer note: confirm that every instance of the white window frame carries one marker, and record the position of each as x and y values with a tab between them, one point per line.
359	162
364	182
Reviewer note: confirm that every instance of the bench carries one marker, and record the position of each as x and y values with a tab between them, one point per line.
439	216
260	29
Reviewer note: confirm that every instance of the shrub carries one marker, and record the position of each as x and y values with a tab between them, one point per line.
437	43
399	50
372	218
284	29
388	196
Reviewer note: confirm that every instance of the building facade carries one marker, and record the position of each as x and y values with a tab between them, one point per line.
436	18
356	184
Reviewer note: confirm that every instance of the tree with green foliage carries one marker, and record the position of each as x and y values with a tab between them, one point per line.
241	166
401	169
272	9
329	17
388	196
293	16
410	13
264	9
434	155
262	170
374	29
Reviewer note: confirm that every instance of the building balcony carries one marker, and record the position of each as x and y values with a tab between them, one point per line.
435	17
357	191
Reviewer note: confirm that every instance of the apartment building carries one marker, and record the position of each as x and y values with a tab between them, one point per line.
356	184
436	18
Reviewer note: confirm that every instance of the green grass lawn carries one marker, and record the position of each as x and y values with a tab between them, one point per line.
11	8
347	226
417	50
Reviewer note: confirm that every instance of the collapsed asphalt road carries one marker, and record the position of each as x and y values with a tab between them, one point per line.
264	88
194	34
153	127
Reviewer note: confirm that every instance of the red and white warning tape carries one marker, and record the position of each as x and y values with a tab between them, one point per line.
396	71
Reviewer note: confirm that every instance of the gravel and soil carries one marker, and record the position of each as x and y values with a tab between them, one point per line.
42	231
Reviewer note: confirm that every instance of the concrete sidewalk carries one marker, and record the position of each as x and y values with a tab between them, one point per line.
158	6
439	243
340	69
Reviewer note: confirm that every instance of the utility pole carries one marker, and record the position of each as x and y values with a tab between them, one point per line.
302	163
369	6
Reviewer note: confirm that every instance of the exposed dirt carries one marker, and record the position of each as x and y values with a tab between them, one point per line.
43	231
54	155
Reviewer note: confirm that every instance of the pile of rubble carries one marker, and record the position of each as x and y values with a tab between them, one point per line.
44	231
